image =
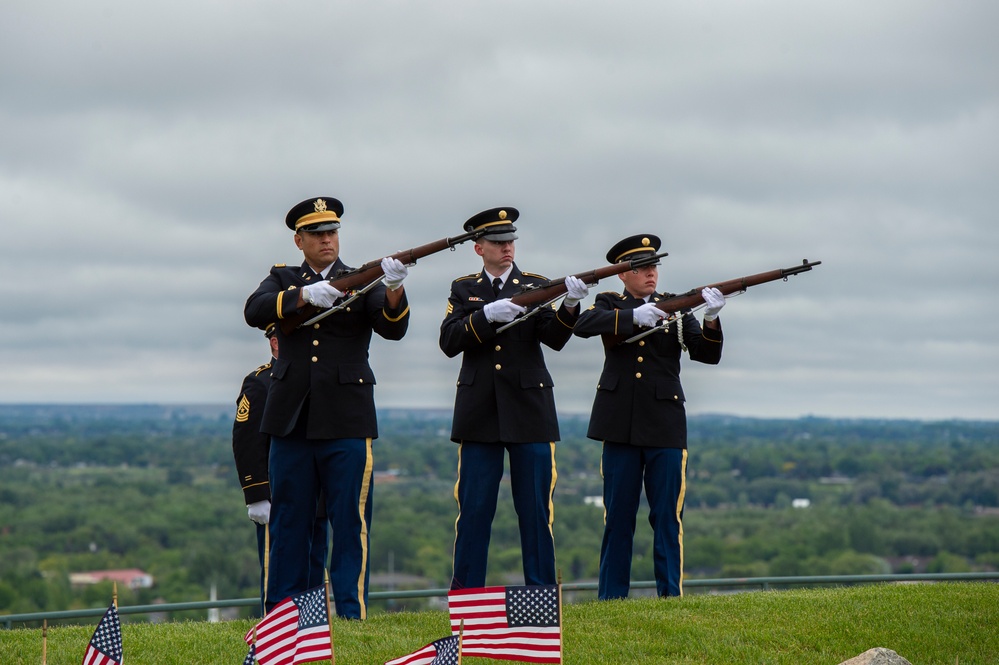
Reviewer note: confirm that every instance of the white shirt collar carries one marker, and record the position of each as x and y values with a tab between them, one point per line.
502	278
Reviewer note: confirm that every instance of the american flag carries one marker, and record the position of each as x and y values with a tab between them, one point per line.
442	652
509	623
296	630
105	645
251	657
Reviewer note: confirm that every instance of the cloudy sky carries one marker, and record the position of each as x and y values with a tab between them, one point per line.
151	150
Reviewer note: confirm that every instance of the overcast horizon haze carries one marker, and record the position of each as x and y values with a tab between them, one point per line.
152	150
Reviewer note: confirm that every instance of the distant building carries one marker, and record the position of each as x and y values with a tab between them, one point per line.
835	480
133	578
800	503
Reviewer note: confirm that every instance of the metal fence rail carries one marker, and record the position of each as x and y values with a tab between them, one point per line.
764	583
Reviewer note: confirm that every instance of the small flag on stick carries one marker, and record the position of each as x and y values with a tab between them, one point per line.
509	623
440	652
296	630
105	645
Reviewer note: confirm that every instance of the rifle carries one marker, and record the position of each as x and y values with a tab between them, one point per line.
692	298
548	293
356	282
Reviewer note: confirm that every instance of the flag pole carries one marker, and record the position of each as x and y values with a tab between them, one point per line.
329	614
114	601
45	638
461	635
561	628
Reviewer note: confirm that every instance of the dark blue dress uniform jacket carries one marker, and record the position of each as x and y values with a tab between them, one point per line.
328	359
639	398
250	446
505	392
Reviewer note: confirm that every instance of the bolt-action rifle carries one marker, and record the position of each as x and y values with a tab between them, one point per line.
693	298
539	296
356	282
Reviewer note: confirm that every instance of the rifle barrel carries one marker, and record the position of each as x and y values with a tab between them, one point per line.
693	297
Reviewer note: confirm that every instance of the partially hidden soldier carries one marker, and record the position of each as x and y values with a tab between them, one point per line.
250	449
504	402
638	413
320	409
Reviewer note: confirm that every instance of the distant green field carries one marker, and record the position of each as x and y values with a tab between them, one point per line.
946	623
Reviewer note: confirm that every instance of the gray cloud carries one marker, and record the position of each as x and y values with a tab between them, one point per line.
151	152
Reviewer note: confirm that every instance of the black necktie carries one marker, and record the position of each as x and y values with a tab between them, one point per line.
497	285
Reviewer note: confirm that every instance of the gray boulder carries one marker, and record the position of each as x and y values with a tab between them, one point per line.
877	656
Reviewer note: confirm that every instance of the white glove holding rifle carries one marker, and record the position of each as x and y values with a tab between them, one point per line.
647	315
502	311
575	290
395	271
321	294
714	301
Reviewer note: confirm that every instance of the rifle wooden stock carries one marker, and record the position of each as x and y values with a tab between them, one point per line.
363	275
556	287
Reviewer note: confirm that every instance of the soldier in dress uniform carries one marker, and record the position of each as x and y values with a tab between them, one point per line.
250	449
639	415
320	409
505	402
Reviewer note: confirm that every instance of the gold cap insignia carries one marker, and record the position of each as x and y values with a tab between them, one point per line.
320	205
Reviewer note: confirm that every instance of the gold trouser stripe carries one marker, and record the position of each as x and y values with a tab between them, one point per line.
458	501
362	504
267	558
603	498
551	493
679	510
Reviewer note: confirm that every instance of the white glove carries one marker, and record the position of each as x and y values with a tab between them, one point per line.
395	271
576	290
321	294
502	311
647	315
259	512
714	300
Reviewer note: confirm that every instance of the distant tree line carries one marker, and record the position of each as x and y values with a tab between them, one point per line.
87	488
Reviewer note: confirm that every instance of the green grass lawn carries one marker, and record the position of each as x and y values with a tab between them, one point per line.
947	623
